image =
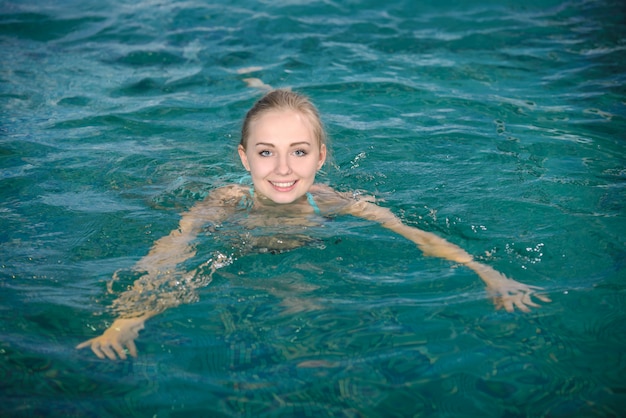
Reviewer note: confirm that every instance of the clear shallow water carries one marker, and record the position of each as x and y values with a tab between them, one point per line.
497	125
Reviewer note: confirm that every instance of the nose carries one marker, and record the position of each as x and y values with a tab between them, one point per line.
282	166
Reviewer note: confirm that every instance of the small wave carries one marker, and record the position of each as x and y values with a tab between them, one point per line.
87	201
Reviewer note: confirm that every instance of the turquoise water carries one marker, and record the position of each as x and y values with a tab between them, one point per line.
497	125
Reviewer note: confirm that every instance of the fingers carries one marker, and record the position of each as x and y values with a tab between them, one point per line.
543	298
120	351
520	305
528	302
95	347
84	344
510	303
507	304
110	351
132	349
521	301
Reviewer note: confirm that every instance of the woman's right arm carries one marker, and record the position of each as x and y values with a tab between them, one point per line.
161	285
506	293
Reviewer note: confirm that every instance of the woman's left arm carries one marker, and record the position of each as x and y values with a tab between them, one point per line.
507	293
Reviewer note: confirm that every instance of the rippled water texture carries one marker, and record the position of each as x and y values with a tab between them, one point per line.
498	125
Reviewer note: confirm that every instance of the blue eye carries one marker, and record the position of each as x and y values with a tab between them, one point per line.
265	153
300	153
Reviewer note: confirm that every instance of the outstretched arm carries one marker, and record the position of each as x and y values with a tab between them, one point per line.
507	293
161	285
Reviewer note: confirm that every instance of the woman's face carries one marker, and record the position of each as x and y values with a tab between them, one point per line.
282	155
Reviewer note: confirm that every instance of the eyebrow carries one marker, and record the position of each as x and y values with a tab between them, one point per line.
293	144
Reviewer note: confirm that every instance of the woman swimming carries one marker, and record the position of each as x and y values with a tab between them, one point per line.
283	145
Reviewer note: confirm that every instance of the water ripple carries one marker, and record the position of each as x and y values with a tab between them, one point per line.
498	126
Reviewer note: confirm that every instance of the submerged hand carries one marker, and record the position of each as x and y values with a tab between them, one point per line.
120	334
511	294
507	293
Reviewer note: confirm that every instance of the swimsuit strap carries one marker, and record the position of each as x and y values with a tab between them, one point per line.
246	202
309	198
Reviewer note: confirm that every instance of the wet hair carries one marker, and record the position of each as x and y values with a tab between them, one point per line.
284	100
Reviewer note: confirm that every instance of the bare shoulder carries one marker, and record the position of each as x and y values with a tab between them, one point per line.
325	191
227	195
330	200
354	203
219	201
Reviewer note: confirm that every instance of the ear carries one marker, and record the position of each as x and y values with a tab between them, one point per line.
322	156
243	157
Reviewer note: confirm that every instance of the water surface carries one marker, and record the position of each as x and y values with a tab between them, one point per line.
497	125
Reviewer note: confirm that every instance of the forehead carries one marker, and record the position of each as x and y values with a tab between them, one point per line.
276	124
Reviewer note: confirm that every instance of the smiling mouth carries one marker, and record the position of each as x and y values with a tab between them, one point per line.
283	185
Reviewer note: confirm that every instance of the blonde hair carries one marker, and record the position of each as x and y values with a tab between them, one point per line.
284	100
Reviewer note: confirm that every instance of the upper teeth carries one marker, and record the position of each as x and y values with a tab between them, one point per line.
291	183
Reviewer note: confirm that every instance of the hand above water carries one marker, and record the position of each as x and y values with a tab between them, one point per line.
120	334
507	293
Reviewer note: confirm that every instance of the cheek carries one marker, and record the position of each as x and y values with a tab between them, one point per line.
316	163
257	165
309	169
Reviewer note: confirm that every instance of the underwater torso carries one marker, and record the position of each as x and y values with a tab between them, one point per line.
247	201
261	226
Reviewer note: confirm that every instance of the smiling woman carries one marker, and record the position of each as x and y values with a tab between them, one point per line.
282	155
283	147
